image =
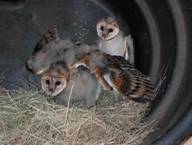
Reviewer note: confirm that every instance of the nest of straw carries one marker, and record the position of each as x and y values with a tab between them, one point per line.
28	118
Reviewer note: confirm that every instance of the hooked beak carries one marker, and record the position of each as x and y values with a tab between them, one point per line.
51	90
104	35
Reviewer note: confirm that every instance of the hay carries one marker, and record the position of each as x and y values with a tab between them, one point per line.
27	118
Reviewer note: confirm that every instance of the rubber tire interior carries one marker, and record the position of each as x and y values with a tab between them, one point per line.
168	27
168	23
163	34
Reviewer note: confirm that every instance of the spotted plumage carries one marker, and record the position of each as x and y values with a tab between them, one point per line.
116	73
50	35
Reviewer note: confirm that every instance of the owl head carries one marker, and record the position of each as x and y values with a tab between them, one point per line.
107	28
55	80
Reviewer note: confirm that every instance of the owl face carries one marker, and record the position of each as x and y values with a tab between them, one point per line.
107	28
55	80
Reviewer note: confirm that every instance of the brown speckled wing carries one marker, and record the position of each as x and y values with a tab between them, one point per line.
142	89
50	35
121	81
117	62
129	81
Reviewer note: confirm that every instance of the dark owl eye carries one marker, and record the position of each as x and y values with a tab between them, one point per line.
47	82
110	30
57	83
102	28
88	53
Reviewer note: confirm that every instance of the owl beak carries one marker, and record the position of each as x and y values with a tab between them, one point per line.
51	91
104	35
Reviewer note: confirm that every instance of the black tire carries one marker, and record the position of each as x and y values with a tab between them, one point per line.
162	35
166	24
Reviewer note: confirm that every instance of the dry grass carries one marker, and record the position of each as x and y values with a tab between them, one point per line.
27	118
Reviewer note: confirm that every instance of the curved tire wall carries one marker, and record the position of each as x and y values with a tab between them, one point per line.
162	35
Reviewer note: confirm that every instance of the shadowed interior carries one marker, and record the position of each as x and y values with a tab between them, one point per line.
152	24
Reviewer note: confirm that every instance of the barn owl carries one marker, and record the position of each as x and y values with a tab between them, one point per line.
59	80
51	49
115	73
113	41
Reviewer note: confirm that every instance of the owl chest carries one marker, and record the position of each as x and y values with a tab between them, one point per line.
113	47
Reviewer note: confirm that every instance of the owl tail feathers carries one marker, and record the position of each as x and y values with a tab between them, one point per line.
140	94
136	90
143	92
148	97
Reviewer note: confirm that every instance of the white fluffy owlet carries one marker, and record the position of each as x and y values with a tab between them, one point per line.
113	41
59	80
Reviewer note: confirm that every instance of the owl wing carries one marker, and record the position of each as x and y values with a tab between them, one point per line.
129	81
50	35
116	62
129	49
